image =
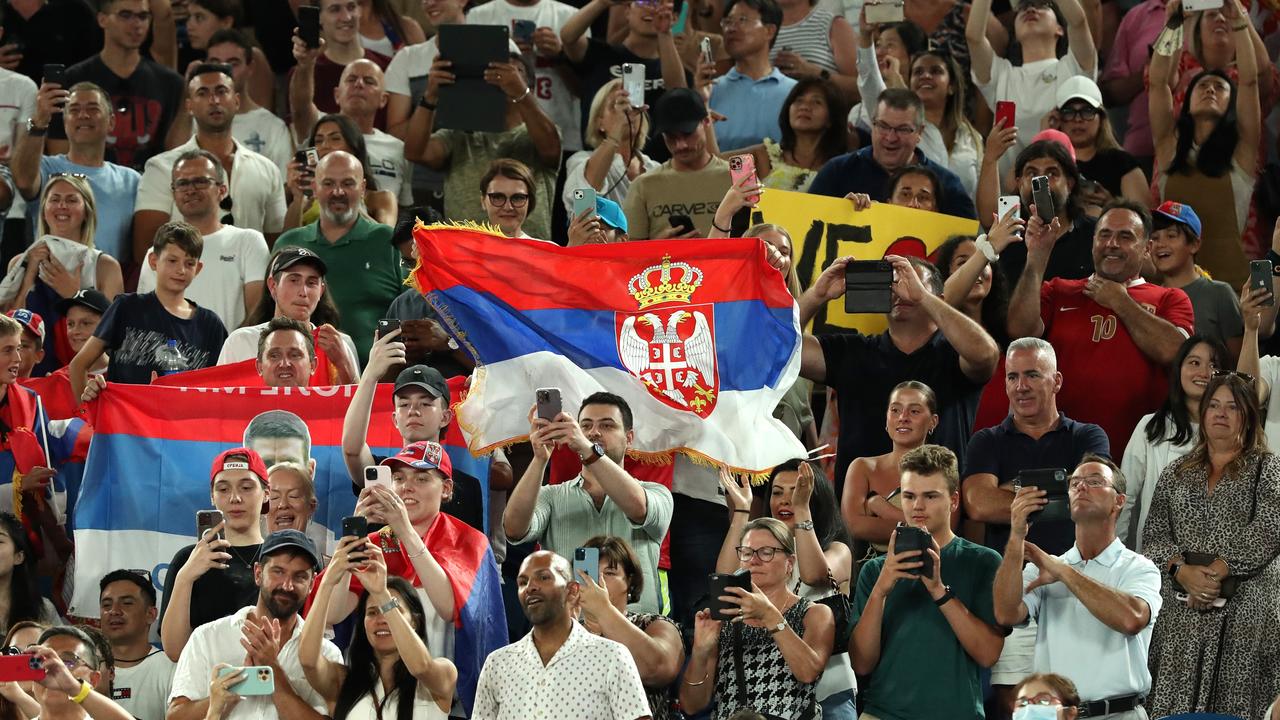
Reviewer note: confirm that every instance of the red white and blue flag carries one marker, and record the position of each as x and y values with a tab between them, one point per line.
700	337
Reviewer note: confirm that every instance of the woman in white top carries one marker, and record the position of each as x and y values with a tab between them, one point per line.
1168	433
389	665
615	133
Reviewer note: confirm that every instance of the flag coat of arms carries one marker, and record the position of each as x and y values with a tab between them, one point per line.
701	337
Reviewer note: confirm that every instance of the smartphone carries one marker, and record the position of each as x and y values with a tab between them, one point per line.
548	400
20	668
309	25
522	30
207	520
1054	482
584	201
879	13
587	559
910	539
633	83
377	475
868	286
258	679
684	222
1190	6
1007	111
355	526
1260	278
1005	203
313	159
744	166
1183	597
387	326
718	585
54	74
1043	198
708	58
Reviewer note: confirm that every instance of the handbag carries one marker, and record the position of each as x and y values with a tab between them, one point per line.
842	611
1230	584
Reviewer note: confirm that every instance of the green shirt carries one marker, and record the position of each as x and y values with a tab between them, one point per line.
924	673
364	276
471	154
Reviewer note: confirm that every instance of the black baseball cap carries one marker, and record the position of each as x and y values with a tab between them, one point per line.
282	539
90	298
291	256
425	377
679	110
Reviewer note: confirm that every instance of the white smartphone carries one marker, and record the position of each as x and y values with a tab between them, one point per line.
633	82
1190	6
1183	598
377	475
880	13
1006	203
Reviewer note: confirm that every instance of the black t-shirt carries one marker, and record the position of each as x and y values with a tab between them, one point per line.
602	63
1108	167
218	593
273	24
467	503
63	31
1071	259
145	103
137	326
863	370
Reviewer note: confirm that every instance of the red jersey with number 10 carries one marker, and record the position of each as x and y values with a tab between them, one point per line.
1106	378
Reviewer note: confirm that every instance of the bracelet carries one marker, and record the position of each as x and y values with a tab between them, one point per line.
700	682
714	225
1241	26
744	512
423	102
1168	41
985	247
806	525
85	689
418	554
522	97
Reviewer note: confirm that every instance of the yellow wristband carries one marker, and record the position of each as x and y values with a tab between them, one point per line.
85	689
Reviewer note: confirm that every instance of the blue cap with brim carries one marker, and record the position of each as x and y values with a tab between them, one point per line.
611	213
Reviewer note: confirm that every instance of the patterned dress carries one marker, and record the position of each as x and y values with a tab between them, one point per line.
659	698
1224	660
772	689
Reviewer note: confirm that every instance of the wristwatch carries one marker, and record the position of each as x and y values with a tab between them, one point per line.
947	596
782	625
389	605
806	525
35	130
595	453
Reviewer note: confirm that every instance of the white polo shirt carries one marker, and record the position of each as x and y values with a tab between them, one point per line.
219	642
594	676
256	189
1102	662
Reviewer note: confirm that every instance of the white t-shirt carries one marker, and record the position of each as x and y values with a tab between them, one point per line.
424	706
264	133
410	66
1033	88
143	690
389	166
553	95
1269	370
242	344
256	189
17	103
232	257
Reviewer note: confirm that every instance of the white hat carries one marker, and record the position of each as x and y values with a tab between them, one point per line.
1079	86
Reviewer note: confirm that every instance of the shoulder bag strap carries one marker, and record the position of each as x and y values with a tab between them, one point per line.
739	668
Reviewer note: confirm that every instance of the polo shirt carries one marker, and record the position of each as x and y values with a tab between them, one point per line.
858	172
256	188
565	517
864	369
1070	641
1005	451
924	671
751	107
372	275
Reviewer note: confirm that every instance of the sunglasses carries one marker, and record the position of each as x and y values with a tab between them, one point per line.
227	219
1232	373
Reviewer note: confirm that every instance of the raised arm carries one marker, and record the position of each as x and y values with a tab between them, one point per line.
978	352
302	87
815	564
1159	95
1248	108
420	143
656	650
981	54
380	501
1250	363
322	673
573	34
386	352
1079	36
1004	232
522	505
509	77
1007	592
1024	304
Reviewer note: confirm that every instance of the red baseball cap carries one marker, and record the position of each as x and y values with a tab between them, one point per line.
30	321
254	465
424	455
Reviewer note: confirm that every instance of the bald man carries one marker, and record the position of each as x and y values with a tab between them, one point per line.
343	237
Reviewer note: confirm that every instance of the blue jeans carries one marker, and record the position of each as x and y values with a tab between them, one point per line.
839	707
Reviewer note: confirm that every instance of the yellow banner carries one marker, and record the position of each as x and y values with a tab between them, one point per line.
825	228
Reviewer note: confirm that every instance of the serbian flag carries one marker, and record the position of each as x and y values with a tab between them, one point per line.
700	337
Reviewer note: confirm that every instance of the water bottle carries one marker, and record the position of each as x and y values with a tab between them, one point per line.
169	359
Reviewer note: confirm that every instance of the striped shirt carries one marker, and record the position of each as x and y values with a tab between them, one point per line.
810	39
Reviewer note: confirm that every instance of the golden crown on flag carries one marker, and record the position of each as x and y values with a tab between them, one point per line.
647	293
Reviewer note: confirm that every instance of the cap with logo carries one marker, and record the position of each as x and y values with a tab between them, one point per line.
423	455
289	540
1179	213
425	377
291	256
91	299
226	461
29	320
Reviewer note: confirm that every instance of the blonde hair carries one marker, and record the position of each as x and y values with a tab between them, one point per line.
81	186
592	137
774	527
792	278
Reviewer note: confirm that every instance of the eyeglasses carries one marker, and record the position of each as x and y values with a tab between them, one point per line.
227	219
130	16
765	553
1092	482
518	200
1078	113
730	23
1232	373
1045	700
887	129
199	183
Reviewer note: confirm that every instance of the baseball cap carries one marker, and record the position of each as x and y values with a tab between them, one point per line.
424	455
1081	88
679	110
291	256
1059	137
282	539
90	298
29	320
254	464
1180	213
425	377
611	213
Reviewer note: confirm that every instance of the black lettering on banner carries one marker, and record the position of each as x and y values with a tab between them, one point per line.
807	264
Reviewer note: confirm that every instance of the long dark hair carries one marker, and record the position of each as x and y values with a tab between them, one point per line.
823	506
1253	440
24	599
1172	422
1216	154
354	139
362	673
388	16
996	305
834	139
326	310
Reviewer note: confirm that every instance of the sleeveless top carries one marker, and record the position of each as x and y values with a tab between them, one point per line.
1223	206
658	697
782	175
810	39
772	689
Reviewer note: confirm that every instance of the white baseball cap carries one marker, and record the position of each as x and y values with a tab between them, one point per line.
1079	86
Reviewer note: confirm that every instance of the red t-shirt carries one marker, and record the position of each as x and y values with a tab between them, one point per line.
1106	379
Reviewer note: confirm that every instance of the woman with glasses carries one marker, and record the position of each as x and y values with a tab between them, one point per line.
335	132
60	263
16	702
1111	172
1045	696
508	194
1168	433
782	640
1214	527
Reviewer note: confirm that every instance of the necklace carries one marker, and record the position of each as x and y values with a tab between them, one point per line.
238	556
